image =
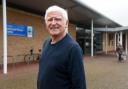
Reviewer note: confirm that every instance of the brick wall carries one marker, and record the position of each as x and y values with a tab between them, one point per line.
21	45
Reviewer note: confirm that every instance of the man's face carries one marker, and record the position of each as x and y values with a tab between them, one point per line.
56	23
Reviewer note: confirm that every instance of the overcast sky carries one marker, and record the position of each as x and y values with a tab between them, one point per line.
117	10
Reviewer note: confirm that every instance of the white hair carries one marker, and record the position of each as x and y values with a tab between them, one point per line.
58	9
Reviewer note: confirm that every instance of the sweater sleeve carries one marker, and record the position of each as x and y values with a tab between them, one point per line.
76	68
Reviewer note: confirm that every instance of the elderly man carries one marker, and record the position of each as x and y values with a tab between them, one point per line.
61	62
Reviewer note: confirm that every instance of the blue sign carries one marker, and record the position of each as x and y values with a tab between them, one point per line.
19	30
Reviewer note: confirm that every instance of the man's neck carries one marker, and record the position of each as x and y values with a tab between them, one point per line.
57	38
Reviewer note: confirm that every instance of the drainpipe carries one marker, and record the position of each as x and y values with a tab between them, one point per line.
126	43
92	34
115	40
106	43
4	38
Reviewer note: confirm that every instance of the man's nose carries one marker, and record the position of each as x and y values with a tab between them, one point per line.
53	21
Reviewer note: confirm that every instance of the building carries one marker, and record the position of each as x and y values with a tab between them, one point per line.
84	26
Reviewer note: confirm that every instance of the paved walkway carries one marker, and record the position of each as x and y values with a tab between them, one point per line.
102	72
105	72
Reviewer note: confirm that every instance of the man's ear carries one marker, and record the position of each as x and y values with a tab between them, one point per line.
66	27
67	22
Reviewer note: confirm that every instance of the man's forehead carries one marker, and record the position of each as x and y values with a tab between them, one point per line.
55	14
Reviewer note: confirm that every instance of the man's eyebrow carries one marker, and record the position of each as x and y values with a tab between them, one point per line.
54	18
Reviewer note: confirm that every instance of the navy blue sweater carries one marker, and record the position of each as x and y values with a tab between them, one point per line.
61	66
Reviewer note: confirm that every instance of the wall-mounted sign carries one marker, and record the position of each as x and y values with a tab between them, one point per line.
19	30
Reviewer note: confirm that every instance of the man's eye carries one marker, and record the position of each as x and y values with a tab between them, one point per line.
55	19
49	19
58	19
